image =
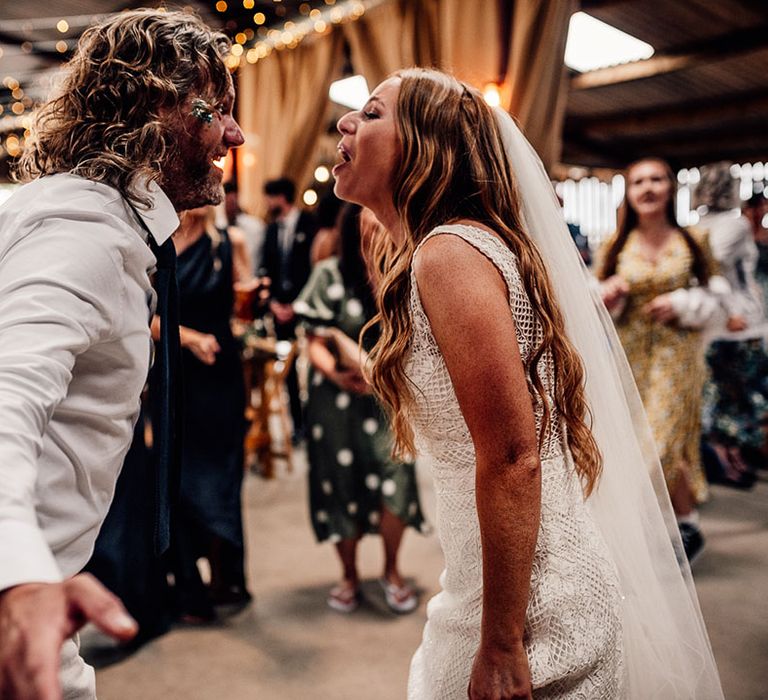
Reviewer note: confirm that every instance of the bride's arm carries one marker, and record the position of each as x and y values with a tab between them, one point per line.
466	301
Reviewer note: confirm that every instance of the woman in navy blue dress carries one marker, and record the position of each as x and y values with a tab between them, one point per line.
209	521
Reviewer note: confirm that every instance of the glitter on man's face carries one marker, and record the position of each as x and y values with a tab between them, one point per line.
202	110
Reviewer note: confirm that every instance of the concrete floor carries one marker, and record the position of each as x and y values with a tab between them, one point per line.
289	646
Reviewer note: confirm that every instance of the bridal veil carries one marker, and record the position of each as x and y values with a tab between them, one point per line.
668	655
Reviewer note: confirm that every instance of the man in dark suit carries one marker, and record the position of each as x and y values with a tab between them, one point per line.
287	263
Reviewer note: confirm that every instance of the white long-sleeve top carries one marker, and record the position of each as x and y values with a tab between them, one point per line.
732	245
74	356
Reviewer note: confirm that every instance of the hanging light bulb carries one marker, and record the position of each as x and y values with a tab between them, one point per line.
491	94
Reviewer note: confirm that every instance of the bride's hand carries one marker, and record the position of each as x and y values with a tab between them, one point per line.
500	675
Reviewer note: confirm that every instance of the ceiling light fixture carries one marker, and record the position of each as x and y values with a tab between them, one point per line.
593	44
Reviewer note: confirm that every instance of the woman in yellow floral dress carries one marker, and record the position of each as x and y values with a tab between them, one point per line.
653	280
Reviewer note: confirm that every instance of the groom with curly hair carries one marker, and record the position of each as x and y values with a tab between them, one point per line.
129	140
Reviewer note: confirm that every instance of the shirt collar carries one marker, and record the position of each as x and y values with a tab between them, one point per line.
291	219
161	218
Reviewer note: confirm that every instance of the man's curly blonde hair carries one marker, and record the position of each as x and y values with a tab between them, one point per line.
104	121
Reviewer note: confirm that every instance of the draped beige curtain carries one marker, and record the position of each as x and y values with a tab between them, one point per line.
283	108
535	87
284	97
467	39
454	35
383	40
470	40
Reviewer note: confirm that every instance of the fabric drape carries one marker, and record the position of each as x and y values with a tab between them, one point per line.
430	33
470	40
374	52
283	112
446	35
283	98
535	87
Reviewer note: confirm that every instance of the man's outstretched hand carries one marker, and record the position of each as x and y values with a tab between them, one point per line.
36	618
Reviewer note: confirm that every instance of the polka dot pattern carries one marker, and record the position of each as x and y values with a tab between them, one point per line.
301	307
350	467
354	308
345	457
335	292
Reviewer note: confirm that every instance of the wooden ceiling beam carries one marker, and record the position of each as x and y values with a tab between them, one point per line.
599	4
593	151
688	158
701	148
727	108
578	158
721	48
754	136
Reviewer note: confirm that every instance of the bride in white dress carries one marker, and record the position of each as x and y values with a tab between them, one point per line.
562	577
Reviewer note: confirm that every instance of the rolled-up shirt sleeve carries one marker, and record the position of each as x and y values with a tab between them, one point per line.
59	295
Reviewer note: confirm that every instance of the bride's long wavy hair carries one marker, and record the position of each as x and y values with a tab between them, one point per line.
104	122
453	167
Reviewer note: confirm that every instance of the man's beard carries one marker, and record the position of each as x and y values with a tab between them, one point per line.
192	185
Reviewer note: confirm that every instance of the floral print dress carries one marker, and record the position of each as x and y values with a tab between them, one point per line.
667	361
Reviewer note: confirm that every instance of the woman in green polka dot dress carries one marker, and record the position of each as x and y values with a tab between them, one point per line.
355	487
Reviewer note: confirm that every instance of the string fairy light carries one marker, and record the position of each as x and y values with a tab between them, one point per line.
250	44
310	21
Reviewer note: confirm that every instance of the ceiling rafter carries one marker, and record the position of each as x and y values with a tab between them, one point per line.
727	108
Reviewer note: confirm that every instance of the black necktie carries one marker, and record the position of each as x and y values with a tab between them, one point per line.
166	393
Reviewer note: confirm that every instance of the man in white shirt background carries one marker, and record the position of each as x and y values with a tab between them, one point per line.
254	229
129	140
287	263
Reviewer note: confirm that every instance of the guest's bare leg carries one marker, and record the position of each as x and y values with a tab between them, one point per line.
345	596
391	529
682	498
347	551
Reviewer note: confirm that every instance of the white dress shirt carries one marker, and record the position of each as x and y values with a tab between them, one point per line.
74	356
286	230
255	232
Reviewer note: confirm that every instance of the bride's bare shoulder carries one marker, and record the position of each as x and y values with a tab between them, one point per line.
448	267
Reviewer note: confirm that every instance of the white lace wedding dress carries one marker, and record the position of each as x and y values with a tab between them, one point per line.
573	623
